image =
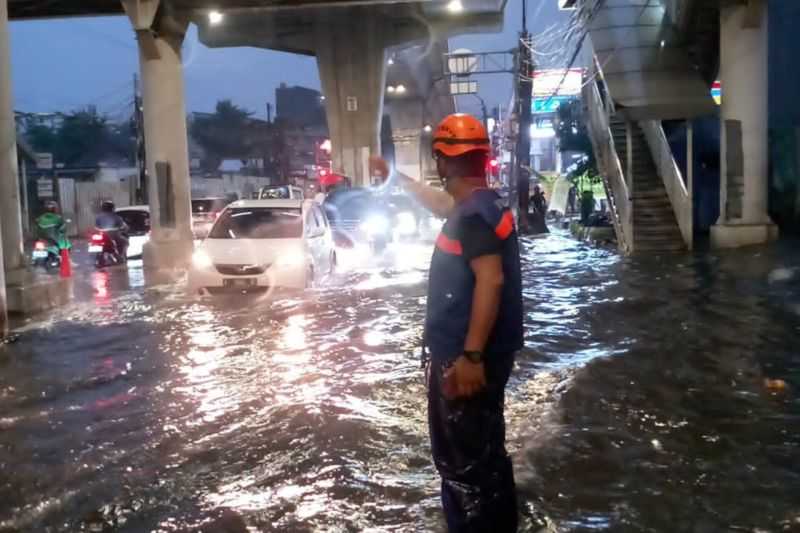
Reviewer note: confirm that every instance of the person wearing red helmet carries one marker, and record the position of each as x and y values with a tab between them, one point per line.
473	328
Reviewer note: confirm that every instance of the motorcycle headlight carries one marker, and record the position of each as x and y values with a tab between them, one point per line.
202	260
375	225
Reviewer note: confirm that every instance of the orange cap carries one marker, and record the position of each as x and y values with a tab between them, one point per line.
460	133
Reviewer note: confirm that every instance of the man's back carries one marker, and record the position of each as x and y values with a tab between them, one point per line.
109	221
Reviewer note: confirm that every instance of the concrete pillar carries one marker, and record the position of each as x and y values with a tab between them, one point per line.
351	57
5	110
10	208
166	144
744	152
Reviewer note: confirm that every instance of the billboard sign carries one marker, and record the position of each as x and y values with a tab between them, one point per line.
549	105
557	82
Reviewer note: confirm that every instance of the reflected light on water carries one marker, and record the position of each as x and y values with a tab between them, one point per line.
294	334
100	285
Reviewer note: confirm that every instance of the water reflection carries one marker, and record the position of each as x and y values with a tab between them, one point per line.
646	399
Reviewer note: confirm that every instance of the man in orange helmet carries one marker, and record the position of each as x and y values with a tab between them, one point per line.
473	328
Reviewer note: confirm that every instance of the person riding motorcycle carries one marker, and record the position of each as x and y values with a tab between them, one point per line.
112	225
52	228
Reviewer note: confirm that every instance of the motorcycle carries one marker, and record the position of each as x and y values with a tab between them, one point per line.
105	250
51	241
46	254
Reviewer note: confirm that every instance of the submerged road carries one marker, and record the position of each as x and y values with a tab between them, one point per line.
642	400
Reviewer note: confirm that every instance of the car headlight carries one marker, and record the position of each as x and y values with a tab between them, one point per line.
406	223
375	225
294	258
202	260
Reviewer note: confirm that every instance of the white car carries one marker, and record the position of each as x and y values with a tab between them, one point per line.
255	245
137	217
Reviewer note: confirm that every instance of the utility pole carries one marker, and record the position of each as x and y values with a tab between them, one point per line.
141	154
524	112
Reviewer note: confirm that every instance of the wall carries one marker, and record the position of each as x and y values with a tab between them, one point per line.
784	115
242	186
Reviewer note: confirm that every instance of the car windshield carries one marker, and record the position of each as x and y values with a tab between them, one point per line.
276	193
208	205
258	223
138	222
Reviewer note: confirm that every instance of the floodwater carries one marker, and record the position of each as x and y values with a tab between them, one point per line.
640	403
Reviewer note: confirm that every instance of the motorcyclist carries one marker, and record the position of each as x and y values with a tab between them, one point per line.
110	223
51	226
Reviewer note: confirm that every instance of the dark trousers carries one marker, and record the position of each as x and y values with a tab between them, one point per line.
468	442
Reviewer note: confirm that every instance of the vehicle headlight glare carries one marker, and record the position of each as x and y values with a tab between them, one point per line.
406	223
202	260
375	225
290	259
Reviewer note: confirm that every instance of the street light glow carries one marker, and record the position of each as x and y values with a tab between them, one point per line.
428	128
401	89
455	6
390	89
390	62
214	17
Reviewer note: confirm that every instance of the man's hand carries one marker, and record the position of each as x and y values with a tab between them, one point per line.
463	379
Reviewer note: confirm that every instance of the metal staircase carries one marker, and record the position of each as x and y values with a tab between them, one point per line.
655	227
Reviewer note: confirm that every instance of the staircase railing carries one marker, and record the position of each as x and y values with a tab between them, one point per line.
679	191
598	114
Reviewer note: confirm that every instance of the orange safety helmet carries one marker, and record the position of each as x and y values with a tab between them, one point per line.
460	133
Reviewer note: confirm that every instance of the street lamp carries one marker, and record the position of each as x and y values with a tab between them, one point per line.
455	6
215	17
428	128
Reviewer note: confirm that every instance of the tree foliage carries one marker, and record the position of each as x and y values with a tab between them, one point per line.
83	138
228	133
573	136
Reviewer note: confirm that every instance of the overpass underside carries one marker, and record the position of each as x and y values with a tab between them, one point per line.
655	60
350	39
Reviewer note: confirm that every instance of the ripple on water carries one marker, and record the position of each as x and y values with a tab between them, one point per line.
637	404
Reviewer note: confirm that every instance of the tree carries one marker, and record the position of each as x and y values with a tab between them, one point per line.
84	138
573	136
41	137
228	133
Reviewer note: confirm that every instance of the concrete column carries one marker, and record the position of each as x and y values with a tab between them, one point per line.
169	184
407	117
351	57
744	152
10	209
5	110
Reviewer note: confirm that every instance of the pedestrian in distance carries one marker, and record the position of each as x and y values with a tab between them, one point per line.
473	328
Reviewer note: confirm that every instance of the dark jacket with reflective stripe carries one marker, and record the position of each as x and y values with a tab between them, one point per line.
452	283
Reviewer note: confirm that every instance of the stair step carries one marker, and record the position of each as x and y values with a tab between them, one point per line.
647	248
649	196
664	230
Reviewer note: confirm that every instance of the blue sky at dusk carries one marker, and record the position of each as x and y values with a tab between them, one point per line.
60	65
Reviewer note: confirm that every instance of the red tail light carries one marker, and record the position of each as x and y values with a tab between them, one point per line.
40	245
97	237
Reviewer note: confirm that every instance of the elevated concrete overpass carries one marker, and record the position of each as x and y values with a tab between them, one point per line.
350	39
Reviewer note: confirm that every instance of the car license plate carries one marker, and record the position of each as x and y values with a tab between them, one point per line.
40	254
95	249
239	282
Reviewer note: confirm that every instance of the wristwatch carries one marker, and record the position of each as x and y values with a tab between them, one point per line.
475	356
